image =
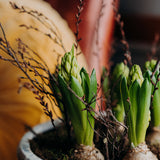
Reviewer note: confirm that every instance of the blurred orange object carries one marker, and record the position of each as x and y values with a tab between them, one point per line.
18	110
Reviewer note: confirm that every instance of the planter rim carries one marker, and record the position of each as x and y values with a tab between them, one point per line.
24	152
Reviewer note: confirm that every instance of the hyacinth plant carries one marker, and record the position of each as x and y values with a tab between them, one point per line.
153	69
77	93
120	70
136	95
153	136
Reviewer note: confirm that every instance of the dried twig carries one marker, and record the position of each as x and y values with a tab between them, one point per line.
78	21
24	59
47	23
157	80
154	49
127	54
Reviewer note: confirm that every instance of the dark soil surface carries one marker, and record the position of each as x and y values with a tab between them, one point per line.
56	145
53	145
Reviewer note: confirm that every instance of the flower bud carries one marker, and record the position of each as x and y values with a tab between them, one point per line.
135	74
69	67
150	65
120	69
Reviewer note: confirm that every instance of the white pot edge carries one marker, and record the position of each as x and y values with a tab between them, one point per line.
24	152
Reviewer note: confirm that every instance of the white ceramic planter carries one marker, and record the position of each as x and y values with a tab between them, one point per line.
24	152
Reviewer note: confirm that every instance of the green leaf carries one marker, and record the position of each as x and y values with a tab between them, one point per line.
85	83
120	70
92	89
143	114
133	94
92	102
129	110
72	51
56	92
74	108
155	107
76	87
124	94
66	99
87	132
119	111
80	113
147	74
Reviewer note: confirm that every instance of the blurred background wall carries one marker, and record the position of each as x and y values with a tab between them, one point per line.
141	24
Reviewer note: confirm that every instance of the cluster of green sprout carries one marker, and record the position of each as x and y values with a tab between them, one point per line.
136	95
76	91
138	98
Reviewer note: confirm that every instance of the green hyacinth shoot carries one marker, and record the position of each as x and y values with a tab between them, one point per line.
136	95
155	106
78	93
120	70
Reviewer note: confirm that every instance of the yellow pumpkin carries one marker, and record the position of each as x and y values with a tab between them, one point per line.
16	110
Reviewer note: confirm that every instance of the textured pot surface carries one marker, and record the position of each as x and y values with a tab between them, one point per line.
24	150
